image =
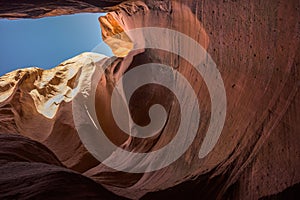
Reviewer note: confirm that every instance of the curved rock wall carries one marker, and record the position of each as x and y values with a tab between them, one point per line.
255	46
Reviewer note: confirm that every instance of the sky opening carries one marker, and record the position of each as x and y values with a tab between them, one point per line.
47	42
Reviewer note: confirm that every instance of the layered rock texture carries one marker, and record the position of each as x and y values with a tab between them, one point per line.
255	46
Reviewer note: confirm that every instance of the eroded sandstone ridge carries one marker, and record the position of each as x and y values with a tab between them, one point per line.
255	46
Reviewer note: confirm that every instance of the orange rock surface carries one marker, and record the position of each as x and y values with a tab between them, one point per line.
255	46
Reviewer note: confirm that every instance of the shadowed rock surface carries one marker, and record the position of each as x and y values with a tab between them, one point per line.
256	48
31	171
43	8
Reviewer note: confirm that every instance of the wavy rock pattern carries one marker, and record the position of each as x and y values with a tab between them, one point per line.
33	172
256	48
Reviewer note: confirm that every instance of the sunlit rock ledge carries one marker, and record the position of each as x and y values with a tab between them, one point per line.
49	88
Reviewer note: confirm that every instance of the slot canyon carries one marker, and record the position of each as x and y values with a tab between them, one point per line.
255	48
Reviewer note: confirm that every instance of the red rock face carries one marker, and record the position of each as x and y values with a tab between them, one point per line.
31	171
256	49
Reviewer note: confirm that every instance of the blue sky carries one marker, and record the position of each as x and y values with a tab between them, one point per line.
46	42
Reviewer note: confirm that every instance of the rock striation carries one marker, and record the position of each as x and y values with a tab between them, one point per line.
256	49
32	171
